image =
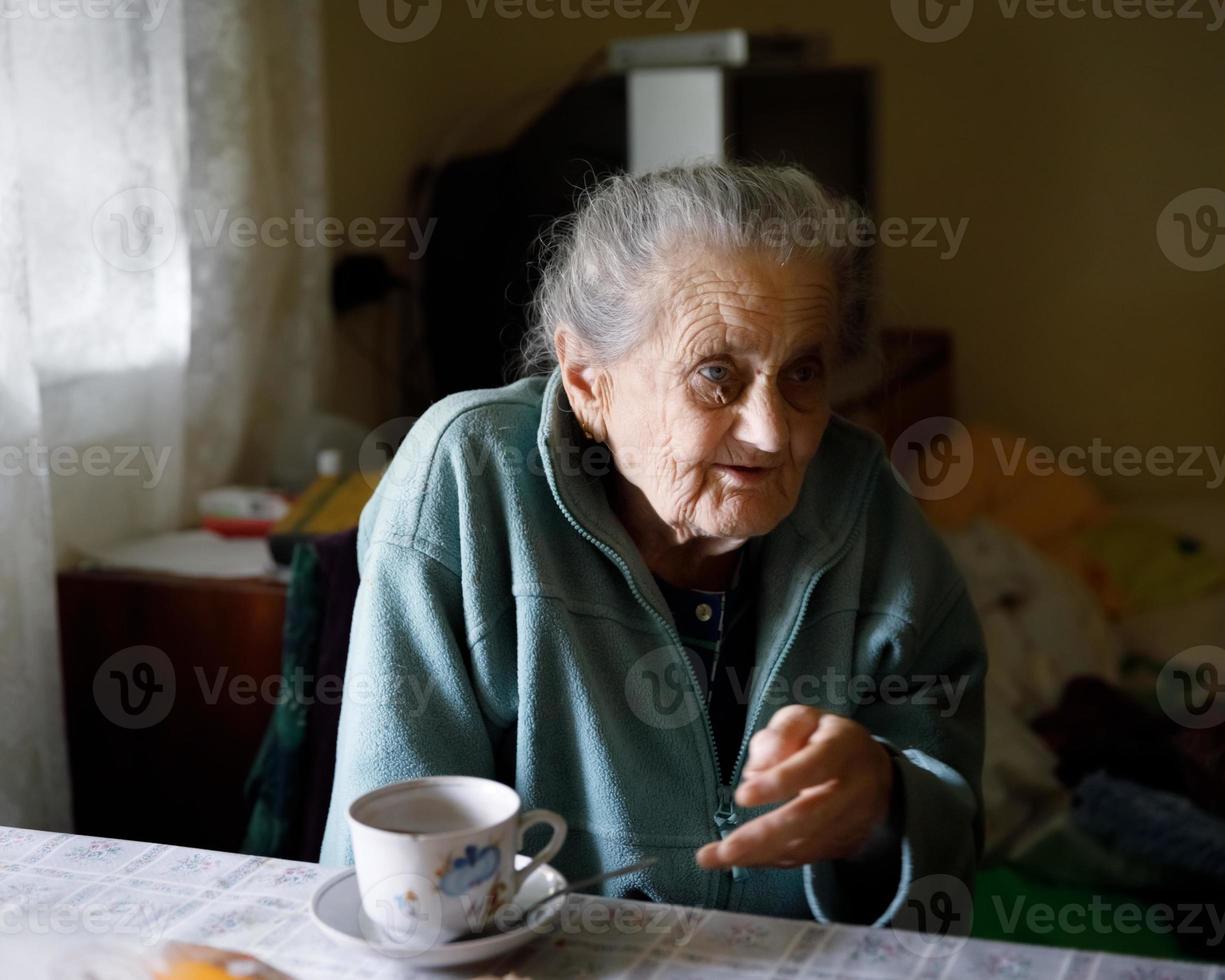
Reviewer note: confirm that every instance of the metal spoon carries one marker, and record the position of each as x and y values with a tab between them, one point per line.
574	886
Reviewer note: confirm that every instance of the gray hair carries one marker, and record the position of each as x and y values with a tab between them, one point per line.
600	265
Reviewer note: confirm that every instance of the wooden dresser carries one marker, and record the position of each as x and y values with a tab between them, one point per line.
163	700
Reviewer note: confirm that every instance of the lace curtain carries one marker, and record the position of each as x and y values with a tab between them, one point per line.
259	312
142	355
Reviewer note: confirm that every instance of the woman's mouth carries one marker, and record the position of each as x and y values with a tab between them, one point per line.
745	474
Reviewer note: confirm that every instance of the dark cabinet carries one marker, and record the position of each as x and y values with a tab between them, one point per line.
169	683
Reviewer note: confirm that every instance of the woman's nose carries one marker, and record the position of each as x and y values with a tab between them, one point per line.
763	420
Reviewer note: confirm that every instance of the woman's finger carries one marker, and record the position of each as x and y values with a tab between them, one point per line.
821	760
787	732
764	839
790	835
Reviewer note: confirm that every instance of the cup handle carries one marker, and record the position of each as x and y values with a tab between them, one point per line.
546	853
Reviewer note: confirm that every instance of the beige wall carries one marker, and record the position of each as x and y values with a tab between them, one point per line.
1060	140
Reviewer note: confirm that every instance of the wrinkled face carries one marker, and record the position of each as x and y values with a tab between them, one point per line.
717	415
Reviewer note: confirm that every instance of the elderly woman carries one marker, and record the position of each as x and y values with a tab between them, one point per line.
664	591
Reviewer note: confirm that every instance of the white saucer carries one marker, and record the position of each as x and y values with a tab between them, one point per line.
336	907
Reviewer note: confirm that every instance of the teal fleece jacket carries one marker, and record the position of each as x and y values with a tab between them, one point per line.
507	627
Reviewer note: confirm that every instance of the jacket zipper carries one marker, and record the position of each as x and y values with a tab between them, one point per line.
724	817
727	809
727	818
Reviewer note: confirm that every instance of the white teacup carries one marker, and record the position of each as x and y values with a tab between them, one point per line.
435	857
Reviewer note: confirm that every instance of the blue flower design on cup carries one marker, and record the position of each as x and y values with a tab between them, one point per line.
475	866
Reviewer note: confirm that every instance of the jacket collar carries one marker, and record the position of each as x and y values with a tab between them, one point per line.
788	559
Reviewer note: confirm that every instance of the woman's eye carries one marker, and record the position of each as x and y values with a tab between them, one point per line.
716	384
806	373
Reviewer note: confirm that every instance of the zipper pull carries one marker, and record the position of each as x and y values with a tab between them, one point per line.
725	816
726	820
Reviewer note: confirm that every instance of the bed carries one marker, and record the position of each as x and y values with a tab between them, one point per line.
1104	776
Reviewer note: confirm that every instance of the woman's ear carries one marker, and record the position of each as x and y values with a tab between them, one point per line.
582	381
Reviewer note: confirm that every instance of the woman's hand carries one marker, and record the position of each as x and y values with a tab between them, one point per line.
837	778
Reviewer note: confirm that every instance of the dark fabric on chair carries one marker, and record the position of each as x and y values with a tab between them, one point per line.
274	785
338	571
290	784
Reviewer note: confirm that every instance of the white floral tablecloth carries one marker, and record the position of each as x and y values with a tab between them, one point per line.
81	907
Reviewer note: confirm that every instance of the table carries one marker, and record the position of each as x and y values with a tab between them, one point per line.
75	907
